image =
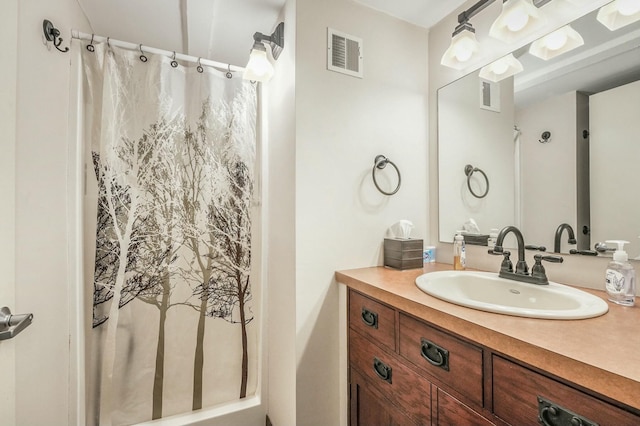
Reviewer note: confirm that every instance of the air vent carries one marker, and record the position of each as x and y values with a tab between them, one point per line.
345	53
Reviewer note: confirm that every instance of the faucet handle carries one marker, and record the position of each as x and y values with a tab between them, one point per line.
548	258
538	272
584	252
532	247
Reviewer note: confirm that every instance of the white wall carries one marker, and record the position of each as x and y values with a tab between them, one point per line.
481	138
280	180
577	270
614	119
42	277
548	170
342	123
9	35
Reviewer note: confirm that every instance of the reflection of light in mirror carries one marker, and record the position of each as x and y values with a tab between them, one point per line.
463	46
499	67
517	19
619	13
556	43
555	40
502	68
628	7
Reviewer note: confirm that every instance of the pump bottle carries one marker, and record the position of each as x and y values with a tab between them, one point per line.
459	260
620	278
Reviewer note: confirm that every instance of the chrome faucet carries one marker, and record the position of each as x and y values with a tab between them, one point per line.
556	241
538	274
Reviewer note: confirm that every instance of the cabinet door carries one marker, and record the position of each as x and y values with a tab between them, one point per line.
368	409
389	376
451	412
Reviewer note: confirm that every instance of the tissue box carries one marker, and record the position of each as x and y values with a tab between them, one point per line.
475	239
401	253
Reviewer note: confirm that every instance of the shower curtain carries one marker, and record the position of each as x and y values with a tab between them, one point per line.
170	165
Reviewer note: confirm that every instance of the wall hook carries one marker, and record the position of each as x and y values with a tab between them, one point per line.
546	136
52	34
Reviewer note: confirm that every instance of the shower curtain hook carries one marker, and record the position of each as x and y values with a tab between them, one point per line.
199	67
108	44
229	74
174	63
90	46
143	58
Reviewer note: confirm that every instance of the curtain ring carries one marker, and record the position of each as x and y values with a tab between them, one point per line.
381	162
143	58
108	44
174	63
90	46
228	74
199	67
469	170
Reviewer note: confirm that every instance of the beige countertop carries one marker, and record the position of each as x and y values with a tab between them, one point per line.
601	354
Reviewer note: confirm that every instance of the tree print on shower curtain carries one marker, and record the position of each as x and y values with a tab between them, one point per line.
173	233
218	245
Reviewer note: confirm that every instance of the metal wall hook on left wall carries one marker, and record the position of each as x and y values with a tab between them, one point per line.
52	34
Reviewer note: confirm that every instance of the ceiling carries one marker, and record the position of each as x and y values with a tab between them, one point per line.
222	30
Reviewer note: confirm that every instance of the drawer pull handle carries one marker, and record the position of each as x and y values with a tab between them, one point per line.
550	414
382	370
433	353
370	318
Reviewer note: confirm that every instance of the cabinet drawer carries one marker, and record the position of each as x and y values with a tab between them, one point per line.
452	412
456	363
373	319
515	399
389	377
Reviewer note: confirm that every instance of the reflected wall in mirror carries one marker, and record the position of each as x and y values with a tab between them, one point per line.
584	173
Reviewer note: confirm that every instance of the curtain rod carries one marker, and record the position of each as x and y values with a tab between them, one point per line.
146	49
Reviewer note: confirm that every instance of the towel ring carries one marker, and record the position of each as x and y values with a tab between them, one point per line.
381	162
469	170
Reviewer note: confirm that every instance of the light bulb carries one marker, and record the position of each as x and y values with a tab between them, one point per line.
556	40
259	68
517	19
628	7
463	50
499	67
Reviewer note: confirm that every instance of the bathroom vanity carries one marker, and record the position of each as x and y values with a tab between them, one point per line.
418	360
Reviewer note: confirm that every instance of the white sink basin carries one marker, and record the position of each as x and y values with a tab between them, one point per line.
488	292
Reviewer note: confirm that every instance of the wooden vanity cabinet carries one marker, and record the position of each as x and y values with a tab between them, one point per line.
405	371
393	361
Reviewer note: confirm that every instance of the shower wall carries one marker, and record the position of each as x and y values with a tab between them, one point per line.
548	170
43	277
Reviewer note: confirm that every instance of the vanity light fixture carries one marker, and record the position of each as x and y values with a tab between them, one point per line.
502	68
518	19
259	67
556	43
463	46
463	42
619	13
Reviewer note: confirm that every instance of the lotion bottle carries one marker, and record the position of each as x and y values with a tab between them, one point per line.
620	278
459	260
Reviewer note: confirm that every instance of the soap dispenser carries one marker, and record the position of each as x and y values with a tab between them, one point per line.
620	277
459	261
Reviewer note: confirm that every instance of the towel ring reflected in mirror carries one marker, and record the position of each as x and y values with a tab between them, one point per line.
380	163
469	170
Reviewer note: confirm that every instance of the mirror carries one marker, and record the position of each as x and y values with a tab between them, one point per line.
558	143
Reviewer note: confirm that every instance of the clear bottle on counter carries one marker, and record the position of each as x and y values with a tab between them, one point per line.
620	277
459	260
